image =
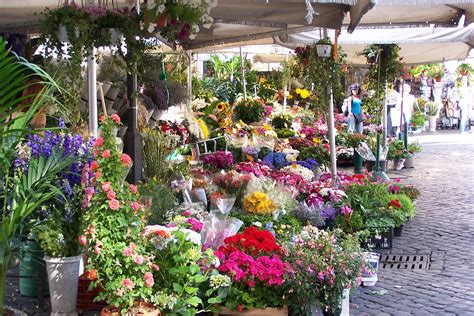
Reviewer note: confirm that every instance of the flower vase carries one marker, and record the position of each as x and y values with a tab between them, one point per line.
398	164
432	123
63	279
273	311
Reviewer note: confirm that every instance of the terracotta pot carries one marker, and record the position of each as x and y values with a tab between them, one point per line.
162	20
110	311
145	308
282	311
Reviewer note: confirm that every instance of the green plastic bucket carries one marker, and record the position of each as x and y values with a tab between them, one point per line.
32	269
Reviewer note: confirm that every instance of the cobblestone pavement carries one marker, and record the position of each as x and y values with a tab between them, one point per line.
442	228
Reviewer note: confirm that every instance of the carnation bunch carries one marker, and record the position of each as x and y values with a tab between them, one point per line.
220	160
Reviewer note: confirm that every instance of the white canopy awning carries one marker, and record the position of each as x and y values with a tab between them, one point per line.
418	45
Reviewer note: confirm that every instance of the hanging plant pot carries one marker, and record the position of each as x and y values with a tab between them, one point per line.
323	50
162	20
63	35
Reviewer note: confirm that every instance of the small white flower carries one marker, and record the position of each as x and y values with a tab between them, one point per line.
257	224
161	8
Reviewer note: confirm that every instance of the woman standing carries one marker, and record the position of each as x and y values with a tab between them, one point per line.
354	108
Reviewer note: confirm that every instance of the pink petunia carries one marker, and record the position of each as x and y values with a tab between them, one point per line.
138	259
128	252
106	154
126	160
135	206
133	188
149	281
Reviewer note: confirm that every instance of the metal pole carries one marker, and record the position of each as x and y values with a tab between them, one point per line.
92	91
384	140
190	79
332	136
285	88
244	85
132	138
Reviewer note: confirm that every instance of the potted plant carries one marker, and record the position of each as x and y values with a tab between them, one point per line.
249	111
324	265
56	228
255	263
371	52
464	69
436	71
29	188
324	47
417	122
113	221
413	150
432	115
397	153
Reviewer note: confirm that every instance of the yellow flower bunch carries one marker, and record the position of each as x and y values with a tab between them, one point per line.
303	93
258	203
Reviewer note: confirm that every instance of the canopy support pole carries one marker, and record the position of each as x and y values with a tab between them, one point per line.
190	79
242	68
332	137
92	91
285	88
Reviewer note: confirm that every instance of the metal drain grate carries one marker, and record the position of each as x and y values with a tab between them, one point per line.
409	262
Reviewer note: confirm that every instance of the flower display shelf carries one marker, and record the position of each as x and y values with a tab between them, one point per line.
282	311
85	298
382	240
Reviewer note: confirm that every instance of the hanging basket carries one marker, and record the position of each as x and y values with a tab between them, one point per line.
323	50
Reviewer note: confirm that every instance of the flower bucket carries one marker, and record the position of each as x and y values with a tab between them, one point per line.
371	267
398	164
282	311
32	269
409	162
323	50
432	122
63	278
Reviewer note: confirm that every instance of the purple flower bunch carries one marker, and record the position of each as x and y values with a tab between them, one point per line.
275	160
219	160
64	144
309	163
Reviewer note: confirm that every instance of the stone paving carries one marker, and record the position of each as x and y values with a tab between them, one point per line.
443	228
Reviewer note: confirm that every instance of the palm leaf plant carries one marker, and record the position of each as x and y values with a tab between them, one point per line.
21	193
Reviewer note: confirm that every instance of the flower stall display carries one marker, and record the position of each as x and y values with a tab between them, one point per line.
249	111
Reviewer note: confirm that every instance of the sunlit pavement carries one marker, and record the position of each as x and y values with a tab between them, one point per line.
443	229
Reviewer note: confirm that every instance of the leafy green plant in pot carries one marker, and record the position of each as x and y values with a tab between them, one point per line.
464	69
249	111
21	195
57	227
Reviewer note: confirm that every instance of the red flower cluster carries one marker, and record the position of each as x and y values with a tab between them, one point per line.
252	241
394	203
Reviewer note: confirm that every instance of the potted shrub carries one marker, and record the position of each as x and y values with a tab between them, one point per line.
249	111
113	221
57	227
417	122
371	52
324	47
465	69
413	150
255	263
432	115
325	264
397	153
436	71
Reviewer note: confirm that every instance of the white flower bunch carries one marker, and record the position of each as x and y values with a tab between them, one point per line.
307	174
219	280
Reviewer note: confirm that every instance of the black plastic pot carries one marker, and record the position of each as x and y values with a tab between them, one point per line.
398	231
